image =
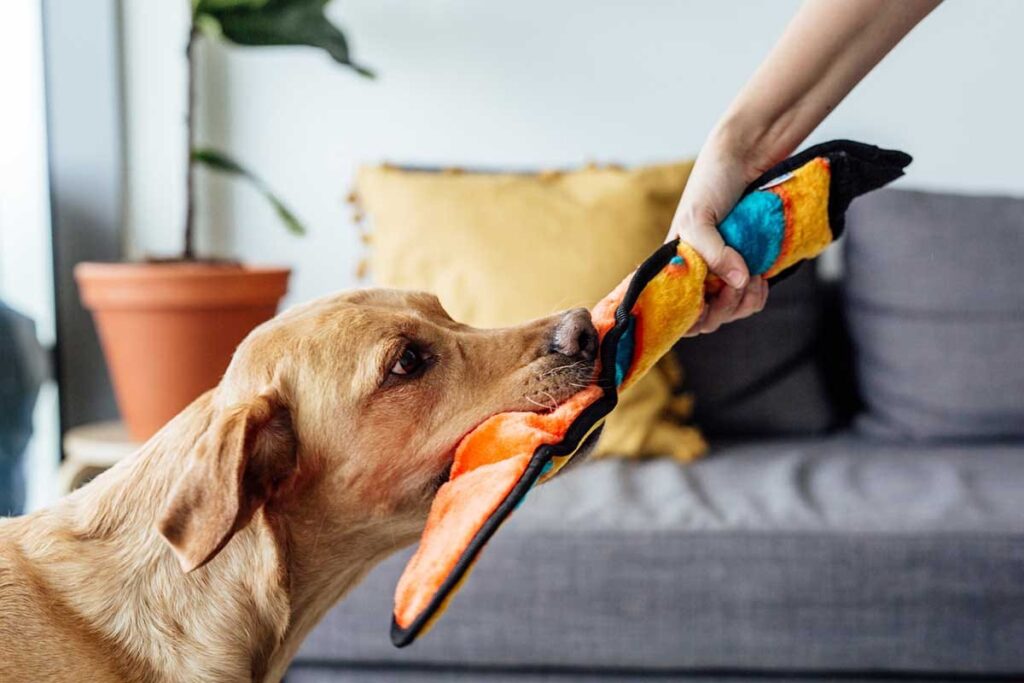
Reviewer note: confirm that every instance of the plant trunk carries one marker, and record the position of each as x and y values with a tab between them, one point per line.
189	253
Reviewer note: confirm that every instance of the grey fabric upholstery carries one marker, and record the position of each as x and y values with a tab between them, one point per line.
936	310
764	375
386	674
833	555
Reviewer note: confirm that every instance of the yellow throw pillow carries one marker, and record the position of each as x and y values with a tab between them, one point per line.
502	248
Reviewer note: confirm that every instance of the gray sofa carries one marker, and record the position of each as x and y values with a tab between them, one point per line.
860	516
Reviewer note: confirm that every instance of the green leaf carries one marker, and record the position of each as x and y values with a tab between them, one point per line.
280	22
208	6
208	26
223	163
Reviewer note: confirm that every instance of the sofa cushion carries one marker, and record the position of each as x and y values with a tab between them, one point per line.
765	375
831	555
935	303
501	248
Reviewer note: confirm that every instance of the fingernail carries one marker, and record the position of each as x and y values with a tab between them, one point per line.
734	278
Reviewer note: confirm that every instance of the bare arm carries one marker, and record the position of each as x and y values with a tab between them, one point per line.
828	47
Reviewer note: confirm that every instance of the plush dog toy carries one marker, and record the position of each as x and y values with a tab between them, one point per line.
787	216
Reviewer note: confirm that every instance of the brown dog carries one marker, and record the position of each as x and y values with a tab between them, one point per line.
211	553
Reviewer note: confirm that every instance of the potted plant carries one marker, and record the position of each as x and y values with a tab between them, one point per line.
168	327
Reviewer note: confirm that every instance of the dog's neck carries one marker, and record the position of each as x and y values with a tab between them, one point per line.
240	617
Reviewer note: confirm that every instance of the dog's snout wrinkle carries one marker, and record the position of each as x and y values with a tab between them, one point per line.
574	335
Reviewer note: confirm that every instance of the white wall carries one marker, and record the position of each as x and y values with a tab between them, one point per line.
26	277
153	50
536	84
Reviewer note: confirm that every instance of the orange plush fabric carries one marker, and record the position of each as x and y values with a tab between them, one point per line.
789	215
488	463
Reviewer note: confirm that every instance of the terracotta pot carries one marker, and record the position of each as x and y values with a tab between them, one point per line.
168	329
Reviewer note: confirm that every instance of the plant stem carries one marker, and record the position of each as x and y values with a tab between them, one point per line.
189	249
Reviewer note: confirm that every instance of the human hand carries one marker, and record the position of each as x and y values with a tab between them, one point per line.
825	51
715	185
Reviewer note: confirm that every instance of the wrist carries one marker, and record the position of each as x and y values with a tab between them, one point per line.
747	142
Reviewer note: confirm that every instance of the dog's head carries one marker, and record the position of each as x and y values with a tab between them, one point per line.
354	404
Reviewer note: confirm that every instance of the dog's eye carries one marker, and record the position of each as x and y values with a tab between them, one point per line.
409	363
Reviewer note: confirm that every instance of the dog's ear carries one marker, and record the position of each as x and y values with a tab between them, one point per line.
246	454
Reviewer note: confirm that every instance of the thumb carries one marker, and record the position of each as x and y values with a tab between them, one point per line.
722	260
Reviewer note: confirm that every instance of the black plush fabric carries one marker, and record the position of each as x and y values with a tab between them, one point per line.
857	169
781	372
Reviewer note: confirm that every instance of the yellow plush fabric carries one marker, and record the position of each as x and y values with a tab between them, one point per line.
499	249
805	197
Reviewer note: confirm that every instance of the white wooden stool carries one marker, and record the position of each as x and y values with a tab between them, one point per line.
90	449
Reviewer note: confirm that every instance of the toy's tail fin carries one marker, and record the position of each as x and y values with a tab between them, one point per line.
856	168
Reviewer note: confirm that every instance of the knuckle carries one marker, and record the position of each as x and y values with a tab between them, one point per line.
718	259
733	299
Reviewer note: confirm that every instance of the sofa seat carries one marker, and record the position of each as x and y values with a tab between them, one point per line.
835	555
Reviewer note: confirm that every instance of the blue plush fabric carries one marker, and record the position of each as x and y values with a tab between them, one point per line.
624	354
755	228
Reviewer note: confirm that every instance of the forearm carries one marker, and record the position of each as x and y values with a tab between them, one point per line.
828	47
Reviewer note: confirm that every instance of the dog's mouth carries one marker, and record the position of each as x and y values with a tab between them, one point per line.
443	473
554	383
551	386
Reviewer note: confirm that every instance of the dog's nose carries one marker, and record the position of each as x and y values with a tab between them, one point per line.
575	335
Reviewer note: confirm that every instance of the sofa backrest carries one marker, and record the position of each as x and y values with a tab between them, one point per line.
935	302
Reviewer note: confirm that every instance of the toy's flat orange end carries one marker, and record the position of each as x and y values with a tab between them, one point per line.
460	508
488	463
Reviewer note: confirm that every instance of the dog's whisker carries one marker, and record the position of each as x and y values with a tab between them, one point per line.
561	368
554	403
536	403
